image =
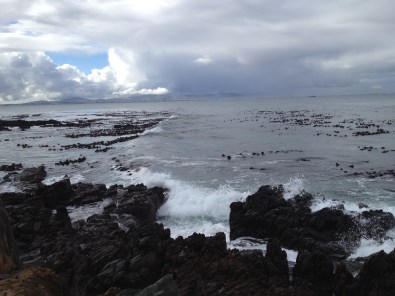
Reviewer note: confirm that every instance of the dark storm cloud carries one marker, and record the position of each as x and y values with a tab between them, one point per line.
269	47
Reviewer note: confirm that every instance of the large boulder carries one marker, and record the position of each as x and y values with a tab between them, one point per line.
29	218
86	193
266	214
140	202
32	175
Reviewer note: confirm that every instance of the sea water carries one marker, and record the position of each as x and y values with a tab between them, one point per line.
291	141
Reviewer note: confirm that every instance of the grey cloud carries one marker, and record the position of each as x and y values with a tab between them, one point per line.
271	47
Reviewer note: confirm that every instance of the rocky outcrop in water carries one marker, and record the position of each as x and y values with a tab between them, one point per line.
331	231
122	251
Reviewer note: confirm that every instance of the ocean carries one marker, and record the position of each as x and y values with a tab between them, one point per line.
211	152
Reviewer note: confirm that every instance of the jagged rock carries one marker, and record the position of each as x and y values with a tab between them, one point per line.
28	216
267	214
32	175
56	194
276	265
86	193
33	281
377	276
202	266
345	283
166	286
314	270
376	223
11	167
8	254
140	202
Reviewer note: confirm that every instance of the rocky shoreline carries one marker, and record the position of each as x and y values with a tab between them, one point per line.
123	251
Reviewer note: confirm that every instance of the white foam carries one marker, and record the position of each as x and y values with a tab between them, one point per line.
250	243
291	255
190	208
73	179
369	246
84	212
293	187
9	188
181	227
152	131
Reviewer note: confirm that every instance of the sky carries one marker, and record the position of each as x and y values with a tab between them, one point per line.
97	49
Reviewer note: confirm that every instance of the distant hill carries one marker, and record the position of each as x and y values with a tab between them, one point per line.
75	100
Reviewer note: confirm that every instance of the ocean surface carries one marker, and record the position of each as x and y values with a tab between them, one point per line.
209	153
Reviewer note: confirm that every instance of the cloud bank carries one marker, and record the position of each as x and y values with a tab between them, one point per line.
267	47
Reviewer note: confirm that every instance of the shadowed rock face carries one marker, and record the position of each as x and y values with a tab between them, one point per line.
124	252
377	276
8	256
330	231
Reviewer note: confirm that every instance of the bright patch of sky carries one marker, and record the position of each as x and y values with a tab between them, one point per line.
85	62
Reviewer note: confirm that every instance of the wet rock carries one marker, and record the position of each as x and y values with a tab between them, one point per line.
71	161
267	214
8	253
12	167
86	193
140	202
376	223
32	175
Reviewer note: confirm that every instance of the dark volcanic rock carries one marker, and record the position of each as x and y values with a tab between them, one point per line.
315	271
345	283
11	167
140	202
8	257
86	193
376	223
276	265
28	216
122	251
56	194
377	276
267	214
32	175
202	266
166	286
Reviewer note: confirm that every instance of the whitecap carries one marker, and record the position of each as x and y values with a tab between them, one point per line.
293	187
84	212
